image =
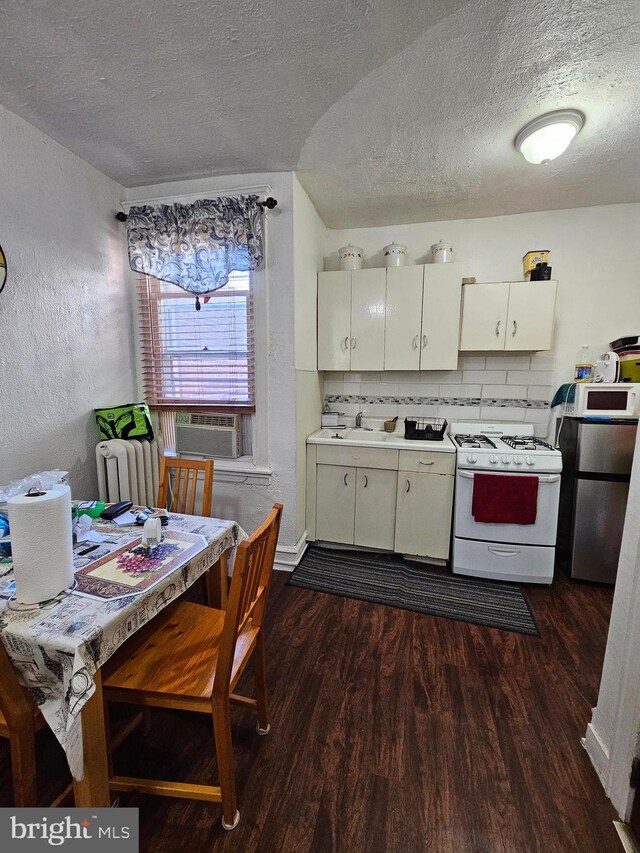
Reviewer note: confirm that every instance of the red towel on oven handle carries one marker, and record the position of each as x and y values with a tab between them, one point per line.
504	499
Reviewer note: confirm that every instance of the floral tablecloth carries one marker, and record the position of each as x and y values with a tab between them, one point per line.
57	647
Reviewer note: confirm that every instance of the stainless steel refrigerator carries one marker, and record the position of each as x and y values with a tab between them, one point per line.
596	468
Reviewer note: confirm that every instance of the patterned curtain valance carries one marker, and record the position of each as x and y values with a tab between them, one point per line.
196	245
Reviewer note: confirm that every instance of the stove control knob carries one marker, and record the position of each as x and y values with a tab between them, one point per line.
505	460
493	459
530	460
518	460
472	458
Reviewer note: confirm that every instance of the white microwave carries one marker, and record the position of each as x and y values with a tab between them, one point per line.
605	400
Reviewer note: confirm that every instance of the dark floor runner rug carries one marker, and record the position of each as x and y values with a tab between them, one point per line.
388	579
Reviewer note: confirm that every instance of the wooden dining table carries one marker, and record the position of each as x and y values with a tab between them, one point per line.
58	648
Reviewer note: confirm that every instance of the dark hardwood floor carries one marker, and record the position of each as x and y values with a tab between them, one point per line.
393	731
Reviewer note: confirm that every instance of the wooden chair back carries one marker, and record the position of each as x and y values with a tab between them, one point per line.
248	594
185	484
16	705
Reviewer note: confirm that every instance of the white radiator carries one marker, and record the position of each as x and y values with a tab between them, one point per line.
129	470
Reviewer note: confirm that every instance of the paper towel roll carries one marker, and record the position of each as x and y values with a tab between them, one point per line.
42	545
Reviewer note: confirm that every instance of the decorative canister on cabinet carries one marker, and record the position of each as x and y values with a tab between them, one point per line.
442	252
351	257
395	255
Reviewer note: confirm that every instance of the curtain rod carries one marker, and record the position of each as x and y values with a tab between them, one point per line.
269	202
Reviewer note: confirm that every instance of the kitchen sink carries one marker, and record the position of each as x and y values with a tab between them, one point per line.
365	435
351	435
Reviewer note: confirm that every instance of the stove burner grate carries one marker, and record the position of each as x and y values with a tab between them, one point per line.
472	441
525	442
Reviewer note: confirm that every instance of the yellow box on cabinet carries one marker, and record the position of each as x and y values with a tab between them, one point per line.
529	261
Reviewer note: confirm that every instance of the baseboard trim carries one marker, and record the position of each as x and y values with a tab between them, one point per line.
288	556
598	753
626	837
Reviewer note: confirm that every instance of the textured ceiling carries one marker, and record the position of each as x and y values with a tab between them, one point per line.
391	112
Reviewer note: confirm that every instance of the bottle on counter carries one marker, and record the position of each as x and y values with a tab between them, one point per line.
584	365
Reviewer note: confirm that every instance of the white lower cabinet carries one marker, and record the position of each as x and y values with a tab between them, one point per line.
356	506
335	503
375	508
423	514
394	506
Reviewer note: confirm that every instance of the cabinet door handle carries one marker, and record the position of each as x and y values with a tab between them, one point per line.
366	481
498	328
515	329
414	344
345	478
424	341
346	342
354	343
408	489
422	462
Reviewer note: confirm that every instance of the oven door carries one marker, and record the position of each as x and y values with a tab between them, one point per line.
543	532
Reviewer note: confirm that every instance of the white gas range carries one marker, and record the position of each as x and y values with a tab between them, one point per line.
505	528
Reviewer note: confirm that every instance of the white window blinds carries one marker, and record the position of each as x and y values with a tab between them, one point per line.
192	359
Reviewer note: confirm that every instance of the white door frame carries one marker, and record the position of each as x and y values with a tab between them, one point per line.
612	735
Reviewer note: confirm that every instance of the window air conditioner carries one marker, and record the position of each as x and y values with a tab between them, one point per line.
208	435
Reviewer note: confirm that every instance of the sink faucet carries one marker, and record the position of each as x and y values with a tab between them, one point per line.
359	423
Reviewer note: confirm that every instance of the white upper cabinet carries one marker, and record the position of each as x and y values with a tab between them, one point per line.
530	315
422	317
440	317
484	316
403	327
515	315
351	320
368	289
401	318
334	321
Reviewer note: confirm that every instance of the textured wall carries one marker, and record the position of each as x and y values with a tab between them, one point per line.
65	316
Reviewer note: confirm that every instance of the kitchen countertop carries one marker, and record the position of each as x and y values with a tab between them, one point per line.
377	438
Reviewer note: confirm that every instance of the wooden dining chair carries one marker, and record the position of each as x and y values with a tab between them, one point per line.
190	657
19	722
185	484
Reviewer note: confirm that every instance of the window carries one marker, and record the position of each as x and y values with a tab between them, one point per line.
192	359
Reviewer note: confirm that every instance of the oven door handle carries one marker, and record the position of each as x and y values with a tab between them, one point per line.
551	478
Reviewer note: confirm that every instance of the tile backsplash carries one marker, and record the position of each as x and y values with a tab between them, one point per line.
484	388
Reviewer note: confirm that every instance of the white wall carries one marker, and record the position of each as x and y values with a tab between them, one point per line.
593	258
309	249
249	502
612	735
65	319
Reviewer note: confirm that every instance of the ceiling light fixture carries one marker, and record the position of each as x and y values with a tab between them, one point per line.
548	136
